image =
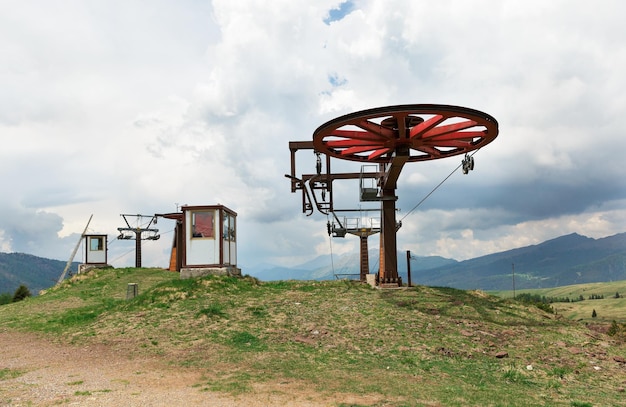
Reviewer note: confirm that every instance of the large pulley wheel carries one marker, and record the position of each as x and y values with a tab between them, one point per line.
423	132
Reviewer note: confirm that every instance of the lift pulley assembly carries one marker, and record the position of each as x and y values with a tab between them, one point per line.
387	138
467	163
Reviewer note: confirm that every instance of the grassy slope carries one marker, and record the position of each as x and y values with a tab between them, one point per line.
409	347
607	309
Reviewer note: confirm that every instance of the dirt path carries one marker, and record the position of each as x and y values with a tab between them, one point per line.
57	374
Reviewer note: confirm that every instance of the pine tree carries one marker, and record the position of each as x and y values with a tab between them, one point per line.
594	314
21	293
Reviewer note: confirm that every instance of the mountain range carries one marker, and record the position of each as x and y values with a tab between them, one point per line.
569	259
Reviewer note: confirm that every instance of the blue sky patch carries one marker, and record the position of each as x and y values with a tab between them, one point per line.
336	81
337	14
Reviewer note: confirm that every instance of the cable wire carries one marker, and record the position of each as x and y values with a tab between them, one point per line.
434	189
123	255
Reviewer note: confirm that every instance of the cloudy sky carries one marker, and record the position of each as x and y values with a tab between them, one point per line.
111	107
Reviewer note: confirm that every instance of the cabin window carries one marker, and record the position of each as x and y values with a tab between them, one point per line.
203	224
229	227
96	244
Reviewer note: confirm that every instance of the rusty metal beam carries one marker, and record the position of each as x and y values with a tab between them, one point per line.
388	271
393	169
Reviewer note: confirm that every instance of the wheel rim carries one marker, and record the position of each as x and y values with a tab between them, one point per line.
424	132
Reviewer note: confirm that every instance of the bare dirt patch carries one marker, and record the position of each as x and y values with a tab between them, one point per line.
45	373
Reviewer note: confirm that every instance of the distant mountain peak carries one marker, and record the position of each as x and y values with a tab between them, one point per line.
569	237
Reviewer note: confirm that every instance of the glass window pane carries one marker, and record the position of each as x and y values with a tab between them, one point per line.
202	224
95	244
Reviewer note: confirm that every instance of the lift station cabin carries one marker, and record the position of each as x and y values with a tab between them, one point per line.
205	241
95	252
383	140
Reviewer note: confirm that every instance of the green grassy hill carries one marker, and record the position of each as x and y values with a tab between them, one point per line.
609	308
407	347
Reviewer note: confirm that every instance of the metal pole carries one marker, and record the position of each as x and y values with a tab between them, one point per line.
365	264
388	257
408	266
513	266
69	262
138	248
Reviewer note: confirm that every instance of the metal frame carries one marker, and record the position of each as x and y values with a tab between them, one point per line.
317	194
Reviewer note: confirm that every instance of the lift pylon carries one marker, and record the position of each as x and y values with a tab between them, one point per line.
138	233
363	228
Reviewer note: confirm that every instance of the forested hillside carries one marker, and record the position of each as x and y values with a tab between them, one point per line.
34	272
566	260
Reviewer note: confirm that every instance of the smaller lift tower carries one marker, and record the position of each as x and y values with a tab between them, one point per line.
138	233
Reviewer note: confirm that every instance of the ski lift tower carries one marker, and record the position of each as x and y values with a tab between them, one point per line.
388	137
138	233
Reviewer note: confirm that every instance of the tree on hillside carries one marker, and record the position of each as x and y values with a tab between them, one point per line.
5	298
21	293
594	314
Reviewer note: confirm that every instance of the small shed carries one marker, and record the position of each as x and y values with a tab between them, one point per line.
95	252
205	241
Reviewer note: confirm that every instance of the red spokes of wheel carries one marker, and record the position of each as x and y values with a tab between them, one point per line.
429	131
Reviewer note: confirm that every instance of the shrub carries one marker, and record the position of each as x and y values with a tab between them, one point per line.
613	329
21	293
542	303
5	298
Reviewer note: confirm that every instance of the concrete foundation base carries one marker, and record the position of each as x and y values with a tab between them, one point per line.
205	271
83	268
389	285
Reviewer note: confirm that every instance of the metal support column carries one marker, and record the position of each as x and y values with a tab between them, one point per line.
138	248
365	263
388	272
